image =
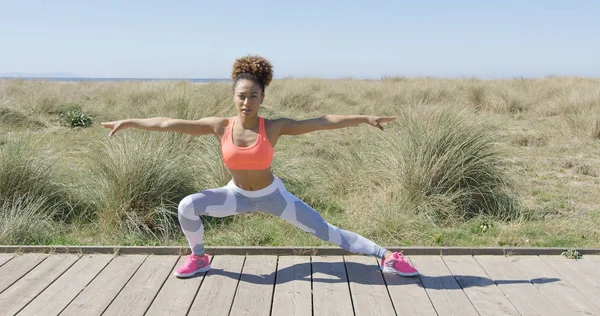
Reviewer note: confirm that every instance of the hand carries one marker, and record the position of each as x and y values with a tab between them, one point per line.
114	126
377	120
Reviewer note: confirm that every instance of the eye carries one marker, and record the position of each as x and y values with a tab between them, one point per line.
254	97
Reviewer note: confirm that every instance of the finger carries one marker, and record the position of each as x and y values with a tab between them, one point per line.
114	131
387	119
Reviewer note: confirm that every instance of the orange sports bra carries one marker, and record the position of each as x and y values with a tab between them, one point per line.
256	157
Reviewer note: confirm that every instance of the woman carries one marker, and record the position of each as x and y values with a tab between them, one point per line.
247	146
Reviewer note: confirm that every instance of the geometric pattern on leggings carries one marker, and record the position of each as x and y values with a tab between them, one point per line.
226	201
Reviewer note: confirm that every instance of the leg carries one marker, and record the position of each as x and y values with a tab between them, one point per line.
218	202
298	213
305	217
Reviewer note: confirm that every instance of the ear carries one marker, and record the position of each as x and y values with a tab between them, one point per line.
262	98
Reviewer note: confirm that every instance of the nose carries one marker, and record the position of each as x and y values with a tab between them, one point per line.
246	101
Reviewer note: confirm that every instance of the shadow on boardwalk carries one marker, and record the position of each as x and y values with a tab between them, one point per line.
448	282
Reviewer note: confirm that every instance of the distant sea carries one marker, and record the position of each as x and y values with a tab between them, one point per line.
66	79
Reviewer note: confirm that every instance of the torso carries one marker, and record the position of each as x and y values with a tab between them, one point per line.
251	180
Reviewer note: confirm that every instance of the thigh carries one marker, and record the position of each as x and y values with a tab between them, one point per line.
291	209
218	202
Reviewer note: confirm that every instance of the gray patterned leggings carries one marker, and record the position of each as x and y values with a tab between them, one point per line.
275	200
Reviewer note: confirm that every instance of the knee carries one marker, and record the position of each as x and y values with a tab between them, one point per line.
186	207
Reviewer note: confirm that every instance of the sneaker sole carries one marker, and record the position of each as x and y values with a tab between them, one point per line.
187	275
389	270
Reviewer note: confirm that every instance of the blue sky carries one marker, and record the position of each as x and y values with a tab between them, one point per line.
329	39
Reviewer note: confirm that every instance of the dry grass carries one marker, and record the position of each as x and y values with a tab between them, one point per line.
541	137
25	220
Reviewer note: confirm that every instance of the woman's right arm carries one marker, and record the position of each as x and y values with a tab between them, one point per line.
207	125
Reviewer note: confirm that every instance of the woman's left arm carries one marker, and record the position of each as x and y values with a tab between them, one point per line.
294	127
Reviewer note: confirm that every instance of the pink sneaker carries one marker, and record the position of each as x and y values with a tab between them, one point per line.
193	265
397	264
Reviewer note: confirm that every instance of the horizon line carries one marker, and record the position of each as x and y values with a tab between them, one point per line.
381	78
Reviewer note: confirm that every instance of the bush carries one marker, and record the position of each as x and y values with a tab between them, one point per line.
446	166
73	116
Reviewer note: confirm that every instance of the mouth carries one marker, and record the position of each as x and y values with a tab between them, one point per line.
246	111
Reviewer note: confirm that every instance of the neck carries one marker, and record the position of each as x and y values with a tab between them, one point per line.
248	122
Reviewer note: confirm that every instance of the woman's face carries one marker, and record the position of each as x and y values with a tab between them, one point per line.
248	96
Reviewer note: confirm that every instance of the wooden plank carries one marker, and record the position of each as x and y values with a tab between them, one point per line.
94	299
255	290
218	289
516	287
58	295
444	291
27	288
176	295
551	284
331	291
408	293
137	295
368	291
4	257
292	287
590	264
16	268
578	275
480	289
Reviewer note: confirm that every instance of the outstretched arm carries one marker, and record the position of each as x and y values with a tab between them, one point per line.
293	127
203	126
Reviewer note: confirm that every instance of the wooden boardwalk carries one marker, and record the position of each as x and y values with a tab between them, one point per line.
101	284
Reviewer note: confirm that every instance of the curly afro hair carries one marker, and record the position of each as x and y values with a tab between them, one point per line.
252	67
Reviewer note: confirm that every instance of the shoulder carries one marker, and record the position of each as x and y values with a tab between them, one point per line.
218	124
277	123
288	126
216	121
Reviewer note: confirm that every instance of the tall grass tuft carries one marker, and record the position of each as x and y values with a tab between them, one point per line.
141	177
445	166
25	171
26	220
